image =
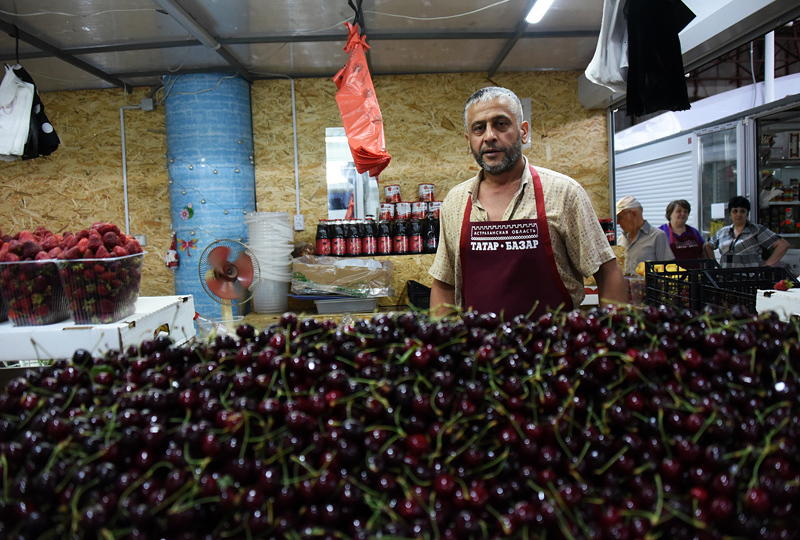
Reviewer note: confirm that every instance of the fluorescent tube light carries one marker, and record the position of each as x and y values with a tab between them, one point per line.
538	10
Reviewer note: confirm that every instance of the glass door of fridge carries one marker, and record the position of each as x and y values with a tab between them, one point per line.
721	173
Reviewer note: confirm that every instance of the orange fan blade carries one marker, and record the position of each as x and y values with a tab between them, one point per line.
220	286
218	257
245	266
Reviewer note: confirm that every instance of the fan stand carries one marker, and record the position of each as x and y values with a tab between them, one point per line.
227	317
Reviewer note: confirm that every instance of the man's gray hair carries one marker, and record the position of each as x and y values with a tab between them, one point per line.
491	93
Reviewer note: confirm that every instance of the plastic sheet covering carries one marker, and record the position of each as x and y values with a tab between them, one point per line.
358	105
361	278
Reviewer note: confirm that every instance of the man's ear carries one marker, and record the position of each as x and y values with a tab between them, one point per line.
525	132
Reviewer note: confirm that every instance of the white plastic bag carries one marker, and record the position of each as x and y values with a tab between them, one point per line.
609	66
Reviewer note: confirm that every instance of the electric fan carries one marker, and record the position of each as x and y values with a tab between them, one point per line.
230	275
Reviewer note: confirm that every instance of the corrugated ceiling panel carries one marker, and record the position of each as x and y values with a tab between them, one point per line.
656	183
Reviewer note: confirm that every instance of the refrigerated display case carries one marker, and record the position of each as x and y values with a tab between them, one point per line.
777	172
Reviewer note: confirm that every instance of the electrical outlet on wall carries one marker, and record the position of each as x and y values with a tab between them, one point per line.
299	222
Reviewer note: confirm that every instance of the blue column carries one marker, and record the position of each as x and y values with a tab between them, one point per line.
211	171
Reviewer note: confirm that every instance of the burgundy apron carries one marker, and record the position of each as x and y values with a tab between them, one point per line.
508	266
692	249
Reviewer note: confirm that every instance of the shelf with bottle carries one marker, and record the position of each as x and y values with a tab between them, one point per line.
367	237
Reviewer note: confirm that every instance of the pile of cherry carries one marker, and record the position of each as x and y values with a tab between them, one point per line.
606	424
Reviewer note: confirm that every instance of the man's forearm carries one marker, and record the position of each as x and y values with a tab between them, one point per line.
611	288
443	296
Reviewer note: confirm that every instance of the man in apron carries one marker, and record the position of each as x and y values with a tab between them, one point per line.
516	239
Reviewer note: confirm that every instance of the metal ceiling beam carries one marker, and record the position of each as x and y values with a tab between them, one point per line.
294	38
189	22
403	36
14	31
521	26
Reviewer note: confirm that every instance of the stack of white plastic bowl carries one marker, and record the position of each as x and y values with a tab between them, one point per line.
271	239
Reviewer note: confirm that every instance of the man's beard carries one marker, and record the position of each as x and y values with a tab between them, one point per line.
512	155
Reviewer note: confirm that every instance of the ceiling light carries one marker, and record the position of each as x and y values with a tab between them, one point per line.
538	10
186	20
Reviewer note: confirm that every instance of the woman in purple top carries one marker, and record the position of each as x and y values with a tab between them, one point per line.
685	241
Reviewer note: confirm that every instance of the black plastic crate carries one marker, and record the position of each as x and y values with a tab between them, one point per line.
419	295
728	287
679	288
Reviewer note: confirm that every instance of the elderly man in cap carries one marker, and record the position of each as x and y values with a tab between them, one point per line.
642	242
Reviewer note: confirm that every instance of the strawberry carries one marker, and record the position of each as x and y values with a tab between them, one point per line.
83	233
70	241
88	254
83	244
10	257
72	253
133	246
110	240
15	247
24	236
95	240
102	227
29	249
50	242
102	253
106	306
54	253
42	255
119	251
784	285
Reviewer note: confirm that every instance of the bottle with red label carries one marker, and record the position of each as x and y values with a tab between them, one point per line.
414	236
353	238
338	241
400	244
384	237
369	241
430	235
323	244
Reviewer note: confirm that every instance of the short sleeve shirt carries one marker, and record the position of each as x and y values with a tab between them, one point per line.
650	244
745	250
579	244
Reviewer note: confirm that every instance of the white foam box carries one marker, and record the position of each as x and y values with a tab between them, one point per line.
784	303
172	315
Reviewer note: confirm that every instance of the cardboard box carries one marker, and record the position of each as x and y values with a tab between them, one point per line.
785	303
173	315
361	278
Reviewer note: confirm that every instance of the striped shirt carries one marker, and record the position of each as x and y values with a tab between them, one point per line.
745	250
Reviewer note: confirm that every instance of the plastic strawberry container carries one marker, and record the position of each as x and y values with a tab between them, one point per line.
32	292
102	291
3	310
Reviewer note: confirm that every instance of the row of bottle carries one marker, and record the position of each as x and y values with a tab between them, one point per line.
354	238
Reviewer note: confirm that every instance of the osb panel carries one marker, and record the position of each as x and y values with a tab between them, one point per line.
82	181
424	133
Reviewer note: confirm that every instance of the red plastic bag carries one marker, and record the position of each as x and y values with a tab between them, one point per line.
358	105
